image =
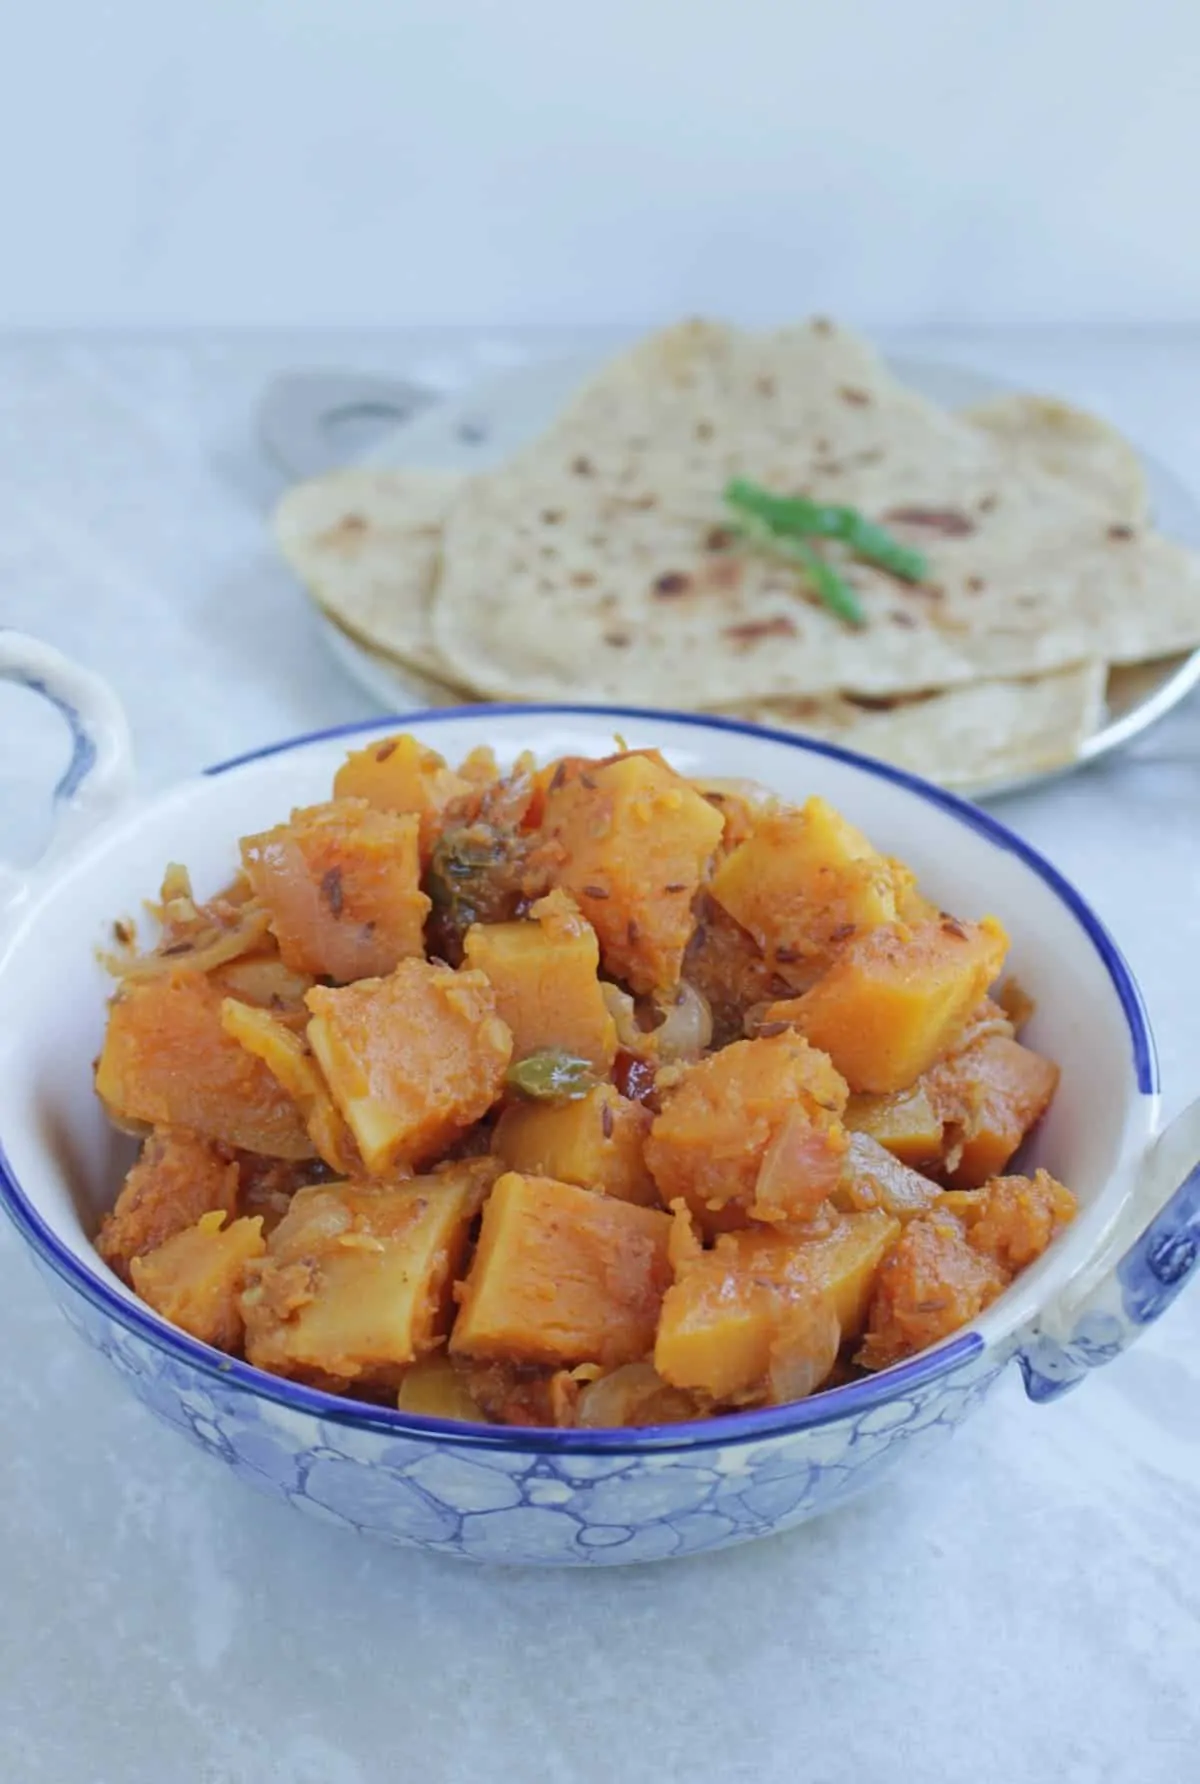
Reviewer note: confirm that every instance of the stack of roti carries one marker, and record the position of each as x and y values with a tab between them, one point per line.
600	563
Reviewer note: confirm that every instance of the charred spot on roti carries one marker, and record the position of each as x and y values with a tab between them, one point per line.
346	534
672	582
752	631
949	523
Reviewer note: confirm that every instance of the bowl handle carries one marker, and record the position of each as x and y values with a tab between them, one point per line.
98	776
1144	1262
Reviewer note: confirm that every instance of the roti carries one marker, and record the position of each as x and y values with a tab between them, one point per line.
983	735
598	563
1072	444
367	544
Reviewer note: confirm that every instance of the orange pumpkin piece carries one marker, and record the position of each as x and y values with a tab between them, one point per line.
751	1131
287	1057
597	1143
195	1278
762	1315
356	1282
931	1283
178	1178
714	1337
837	1256
562	1276
893	1000
167	1060
906	1123
993	1091
1013	1219
803	883
544	973
631	841
412	1060
342	884
400	775
875	1178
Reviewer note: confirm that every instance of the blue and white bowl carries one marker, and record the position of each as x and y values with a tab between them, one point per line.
577	1497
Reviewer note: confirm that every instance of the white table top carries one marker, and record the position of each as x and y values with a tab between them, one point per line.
1026	1608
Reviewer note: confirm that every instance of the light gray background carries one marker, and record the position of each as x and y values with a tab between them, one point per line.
396	161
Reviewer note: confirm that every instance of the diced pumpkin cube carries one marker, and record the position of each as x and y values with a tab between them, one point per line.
356	1283
286	1055
931	1283
597	1143
803	883
993	1092
398	774
178	1178
751	1131
167	1060
631	841
433	1387
840	1259
544	973
342	884
195	1278
761	1316
562	1276
715	1333
875	1178
905	1122
894	1000
411	1060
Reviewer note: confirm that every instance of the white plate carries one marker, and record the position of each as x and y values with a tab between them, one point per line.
302	416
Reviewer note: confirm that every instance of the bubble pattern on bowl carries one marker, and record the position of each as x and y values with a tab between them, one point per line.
506	1504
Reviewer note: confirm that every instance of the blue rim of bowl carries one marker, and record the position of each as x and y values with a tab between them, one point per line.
849	1401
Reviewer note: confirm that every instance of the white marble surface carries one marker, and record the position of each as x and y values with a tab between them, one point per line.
1027	1608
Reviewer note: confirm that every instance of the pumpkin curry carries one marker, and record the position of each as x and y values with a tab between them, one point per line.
583	1094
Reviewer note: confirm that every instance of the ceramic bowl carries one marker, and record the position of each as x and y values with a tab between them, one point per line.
526	1496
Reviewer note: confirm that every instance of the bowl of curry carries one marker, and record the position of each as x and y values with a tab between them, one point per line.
579	1135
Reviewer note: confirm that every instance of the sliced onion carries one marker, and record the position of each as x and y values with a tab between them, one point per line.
213	950
687	1027
804	1348
620	1007
634	1394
